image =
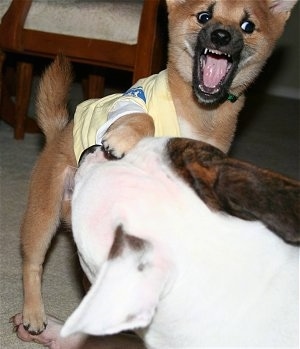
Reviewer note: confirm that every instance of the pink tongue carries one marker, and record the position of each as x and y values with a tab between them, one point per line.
214	69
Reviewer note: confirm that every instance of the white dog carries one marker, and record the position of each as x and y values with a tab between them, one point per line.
165	238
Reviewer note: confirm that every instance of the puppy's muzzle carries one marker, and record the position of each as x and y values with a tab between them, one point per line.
217	57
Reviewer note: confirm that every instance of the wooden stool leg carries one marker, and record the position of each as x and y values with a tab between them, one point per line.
94	86
23	89
2	59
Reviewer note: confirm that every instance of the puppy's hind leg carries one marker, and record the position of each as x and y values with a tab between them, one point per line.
40	223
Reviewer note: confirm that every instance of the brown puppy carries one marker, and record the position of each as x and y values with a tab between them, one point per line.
216	50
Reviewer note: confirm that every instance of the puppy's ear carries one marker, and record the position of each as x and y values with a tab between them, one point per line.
279	6
249	192
125	293
173	3
281	10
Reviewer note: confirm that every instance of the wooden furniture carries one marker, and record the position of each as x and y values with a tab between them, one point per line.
142	55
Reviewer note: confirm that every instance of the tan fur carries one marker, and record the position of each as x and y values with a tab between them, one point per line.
48	201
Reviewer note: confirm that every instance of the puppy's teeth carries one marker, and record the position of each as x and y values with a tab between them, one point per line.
205	51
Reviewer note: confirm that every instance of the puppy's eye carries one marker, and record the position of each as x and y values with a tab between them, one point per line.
204	17
248	27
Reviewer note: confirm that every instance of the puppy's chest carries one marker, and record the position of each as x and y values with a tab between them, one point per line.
197	132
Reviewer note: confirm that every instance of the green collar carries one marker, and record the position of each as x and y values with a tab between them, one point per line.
232	98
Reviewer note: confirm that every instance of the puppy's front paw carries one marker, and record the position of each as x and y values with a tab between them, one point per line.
126	132
119	141
49	338
21	331
34	321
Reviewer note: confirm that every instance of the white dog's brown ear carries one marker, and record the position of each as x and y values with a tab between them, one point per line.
249	192
238	188
195	161
126	291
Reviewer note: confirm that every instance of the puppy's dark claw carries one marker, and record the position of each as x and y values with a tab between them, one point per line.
35	333
32	332
109	154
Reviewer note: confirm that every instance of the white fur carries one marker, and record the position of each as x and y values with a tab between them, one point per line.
208	279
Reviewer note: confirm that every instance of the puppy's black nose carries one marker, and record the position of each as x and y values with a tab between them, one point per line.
220	37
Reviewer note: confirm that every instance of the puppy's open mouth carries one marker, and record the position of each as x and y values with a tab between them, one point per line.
213	70
217	56
213	73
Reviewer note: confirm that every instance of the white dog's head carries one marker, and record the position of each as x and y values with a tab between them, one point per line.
154	237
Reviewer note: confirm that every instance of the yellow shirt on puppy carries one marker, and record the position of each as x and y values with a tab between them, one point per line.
150	95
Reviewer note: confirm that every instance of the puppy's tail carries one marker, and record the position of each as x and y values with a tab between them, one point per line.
52	97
